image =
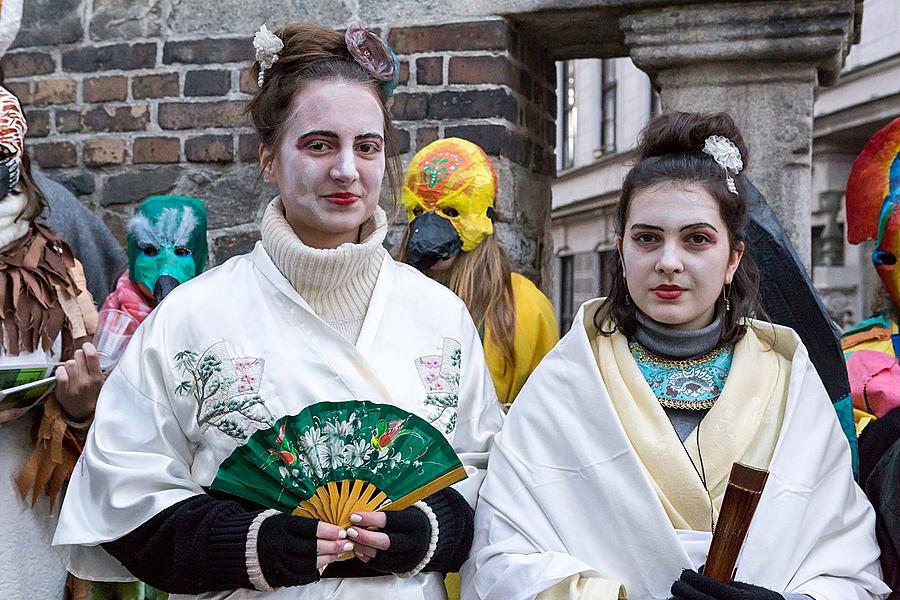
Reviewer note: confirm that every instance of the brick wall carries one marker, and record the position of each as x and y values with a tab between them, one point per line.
484	82
117	121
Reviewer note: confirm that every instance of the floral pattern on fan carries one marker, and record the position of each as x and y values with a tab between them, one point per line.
440	375
336	457
226	390
340	443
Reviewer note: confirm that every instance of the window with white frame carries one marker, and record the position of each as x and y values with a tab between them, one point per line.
569	115
578	284
606	268
608	106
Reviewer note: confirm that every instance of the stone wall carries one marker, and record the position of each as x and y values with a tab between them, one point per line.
120	107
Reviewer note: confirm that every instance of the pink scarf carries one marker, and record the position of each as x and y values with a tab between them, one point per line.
128	297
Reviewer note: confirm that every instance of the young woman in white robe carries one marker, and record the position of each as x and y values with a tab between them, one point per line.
316	312
608	476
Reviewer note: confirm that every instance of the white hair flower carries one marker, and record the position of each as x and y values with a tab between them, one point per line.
727	155
267	45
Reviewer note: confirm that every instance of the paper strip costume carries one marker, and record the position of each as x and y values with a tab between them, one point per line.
600	487
194	385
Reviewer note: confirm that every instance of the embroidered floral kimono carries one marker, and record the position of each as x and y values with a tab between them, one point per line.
597	498
240	333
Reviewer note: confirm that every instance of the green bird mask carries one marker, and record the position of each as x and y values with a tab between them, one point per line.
166	243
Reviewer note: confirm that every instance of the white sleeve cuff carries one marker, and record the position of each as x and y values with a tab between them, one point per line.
432	545
254	570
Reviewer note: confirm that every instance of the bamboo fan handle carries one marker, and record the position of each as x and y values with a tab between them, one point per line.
745	488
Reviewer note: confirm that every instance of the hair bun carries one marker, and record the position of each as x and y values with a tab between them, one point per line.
685	133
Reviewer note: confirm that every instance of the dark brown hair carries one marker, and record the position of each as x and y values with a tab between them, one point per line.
36	201
670	150
313	53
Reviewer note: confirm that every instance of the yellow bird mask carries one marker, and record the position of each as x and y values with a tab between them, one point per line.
448	191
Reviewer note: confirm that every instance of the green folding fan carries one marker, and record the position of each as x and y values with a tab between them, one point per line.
337	458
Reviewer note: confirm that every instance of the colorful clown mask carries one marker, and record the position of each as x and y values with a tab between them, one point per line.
12	140
448	191
166	243
873	203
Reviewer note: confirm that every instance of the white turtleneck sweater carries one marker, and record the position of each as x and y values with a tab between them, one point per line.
337	283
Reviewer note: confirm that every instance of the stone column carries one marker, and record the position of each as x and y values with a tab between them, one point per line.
760	62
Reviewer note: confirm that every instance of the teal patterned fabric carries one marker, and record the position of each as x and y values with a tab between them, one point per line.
692	384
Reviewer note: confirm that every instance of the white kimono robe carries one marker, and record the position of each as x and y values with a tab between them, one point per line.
147	451
567	495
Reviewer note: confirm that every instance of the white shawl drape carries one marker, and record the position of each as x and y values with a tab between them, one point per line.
566	494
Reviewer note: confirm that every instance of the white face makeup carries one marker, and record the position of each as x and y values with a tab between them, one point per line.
676	254
330	164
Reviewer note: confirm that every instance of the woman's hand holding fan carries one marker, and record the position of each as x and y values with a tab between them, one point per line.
295	550
335	459
390	542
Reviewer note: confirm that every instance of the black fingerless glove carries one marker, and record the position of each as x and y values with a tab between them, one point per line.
286	548
410	533
693	586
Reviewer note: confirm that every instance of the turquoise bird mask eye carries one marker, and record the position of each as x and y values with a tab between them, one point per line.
166	243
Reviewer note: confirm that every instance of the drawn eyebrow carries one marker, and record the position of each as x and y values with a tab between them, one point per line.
371	135
332	134
320	132
699	226
657	228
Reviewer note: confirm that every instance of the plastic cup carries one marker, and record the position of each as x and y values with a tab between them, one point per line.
114	331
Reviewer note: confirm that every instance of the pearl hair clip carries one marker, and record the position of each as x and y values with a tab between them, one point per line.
727	155
267	45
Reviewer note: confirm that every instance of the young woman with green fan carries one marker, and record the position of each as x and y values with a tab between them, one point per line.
296	415
657	390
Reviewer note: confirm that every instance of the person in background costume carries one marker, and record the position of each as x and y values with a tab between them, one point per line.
872	346
166	247
449	191
316	313
46	314
657	390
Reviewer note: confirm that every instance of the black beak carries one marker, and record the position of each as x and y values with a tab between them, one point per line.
431	238
883	258
164	285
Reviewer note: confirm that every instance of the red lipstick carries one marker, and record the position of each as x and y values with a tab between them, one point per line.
342	198
668	292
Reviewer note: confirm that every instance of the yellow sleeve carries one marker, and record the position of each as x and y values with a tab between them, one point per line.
577	587
535	334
